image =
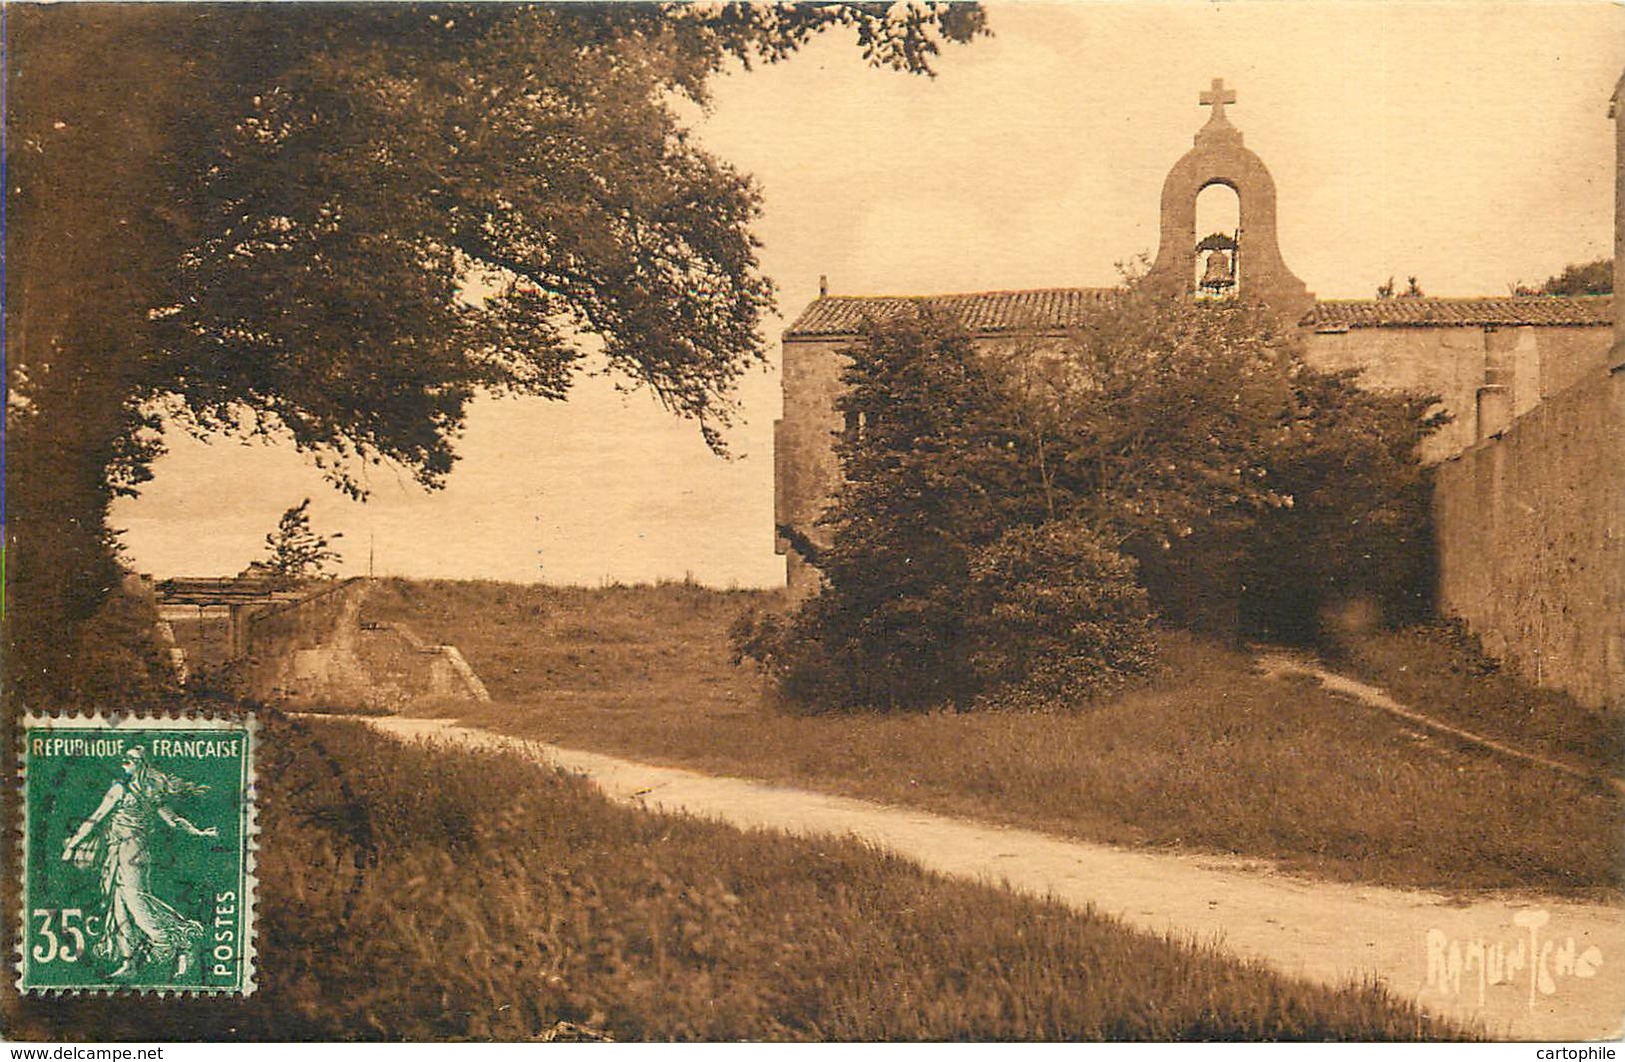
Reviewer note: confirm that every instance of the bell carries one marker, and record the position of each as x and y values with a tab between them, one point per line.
1218	271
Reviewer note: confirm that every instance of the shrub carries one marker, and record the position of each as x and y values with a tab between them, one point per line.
1196	436
1358	528
1059	615
931	473
1252	491
823	657
939	485
118	659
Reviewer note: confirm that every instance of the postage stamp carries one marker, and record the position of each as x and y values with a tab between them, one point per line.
138	847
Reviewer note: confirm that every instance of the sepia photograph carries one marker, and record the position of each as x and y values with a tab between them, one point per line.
935	522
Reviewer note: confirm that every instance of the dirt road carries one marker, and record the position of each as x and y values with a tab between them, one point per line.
1526	968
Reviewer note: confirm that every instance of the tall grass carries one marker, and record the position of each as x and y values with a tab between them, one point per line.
429	894
1212	756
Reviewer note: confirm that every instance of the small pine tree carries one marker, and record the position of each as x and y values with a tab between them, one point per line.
296	553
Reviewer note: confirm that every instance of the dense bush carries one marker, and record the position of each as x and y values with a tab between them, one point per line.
1252	489
936	474
1253	492
1057	615
1045	617
119	662
113	658
1358	530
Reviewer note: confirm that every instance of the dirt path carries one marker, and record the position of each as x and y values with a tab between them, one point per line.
1562	978
1283	663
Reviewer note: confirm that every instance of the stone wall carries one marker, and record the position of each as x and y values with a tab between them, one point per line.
401	668
315	653
1531	532
1533	363
806	470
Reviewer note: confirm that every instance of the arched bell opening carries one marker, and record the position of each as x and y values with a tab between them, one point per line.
1235	189
1217	254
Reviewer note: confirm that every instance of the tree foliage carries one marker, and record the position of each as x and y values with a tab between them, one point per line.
1056	616
930	586
1592	278
1589	278
336	224
1195	436
931	474
294	552
1358	530
1009	516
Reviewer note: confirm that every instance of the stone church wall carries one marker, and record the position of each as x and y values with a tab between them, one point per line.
807	471
1533	363
1531	533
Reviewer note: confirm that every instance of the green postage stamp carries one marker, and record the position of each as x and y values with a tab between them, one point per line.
138	841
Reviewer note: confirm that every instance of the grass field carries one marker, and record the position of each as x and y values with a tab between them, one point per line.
411	893
1440	666
1212	756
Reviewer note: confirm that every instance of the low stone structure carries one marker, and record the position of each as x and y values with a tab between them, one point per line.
1531	518
311	650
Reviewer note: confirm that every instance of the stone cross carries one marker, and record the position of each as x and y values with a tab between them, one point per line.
1217	98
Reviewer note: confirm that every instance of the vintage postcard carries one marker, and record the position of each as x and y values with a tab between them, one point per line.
1007	521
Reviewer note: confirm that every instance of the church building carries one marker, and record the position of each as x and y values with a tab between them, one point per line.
1493	360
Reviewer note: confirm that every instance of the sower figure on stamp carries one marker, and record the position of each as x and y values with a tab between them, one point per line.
117	837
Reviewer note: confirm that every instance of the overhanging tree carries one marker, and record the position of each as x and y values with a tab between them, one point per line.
267	220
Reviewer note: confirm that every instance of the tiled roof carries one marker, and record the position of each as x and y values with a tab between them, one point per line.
1040	310
1055	309
1436	313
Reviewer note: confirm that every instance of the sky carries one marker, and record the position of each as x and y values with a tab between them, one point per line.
1465	143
